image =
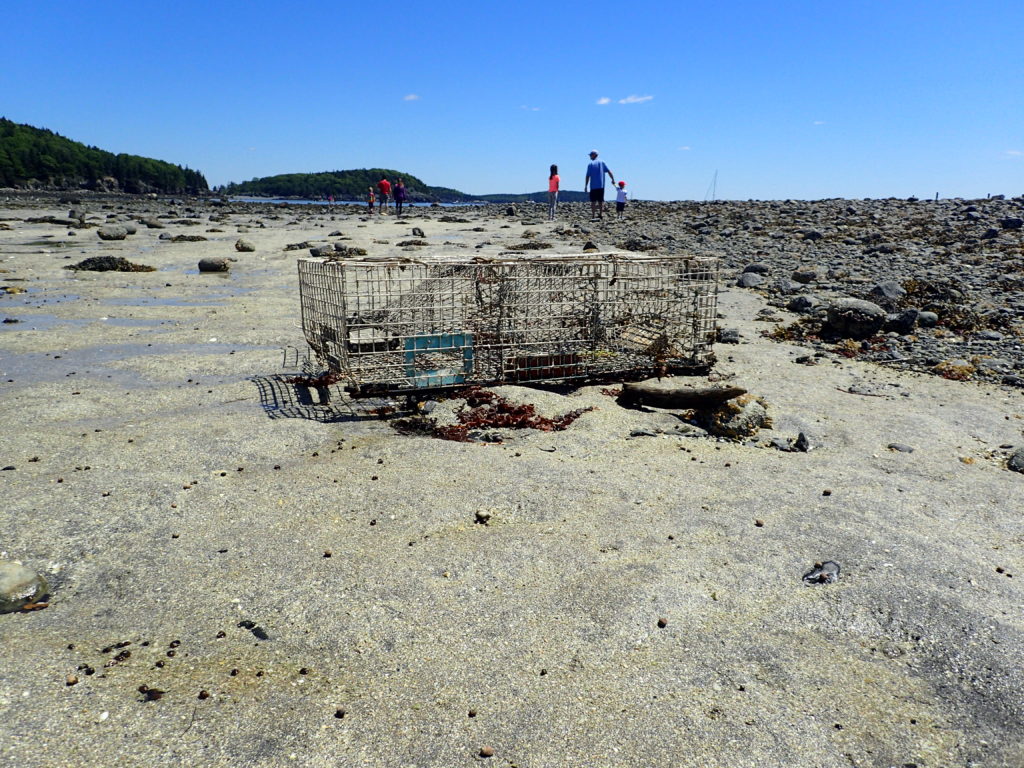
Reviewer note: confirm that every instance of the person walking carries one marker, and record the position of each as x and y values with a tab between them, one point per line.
595	181
370	199
553	181
383	192
620	199
400	197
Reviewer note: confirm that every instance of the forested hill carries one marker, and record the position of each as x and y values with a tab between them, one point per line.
344	185
40	159
354	184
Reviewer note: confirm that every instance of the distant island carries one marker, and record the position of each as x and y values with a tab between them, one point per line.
354	185
36	158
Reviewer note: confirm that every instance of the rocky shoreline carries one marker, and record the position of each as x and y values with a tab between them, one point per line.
944	279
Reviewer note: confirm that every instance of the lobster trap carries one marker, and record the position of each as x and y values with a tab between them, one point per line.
401	326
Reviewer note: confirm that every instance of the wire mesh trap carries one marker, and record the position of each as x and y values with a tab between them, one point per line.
395	325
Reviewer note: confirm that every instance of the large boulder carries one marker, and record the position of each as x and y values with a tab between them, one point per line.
854	318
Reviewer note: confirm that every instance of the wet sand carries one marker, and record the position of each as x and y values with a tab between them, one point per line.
308	587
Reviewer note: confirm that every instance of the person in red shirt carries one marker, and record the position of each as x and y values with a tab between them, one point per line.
384	190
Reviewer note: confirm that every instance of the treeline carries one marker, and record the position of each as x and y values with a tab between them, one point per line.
354	184
39	158
344	185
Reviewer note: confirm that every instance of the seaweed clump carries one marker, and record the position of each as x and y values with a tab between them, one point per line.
109	264
487	410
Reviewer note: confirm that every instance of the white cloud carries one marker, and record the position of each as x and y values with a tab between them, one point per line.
604	100
819	122
530	109
1014	153
634	99
684	149
411	97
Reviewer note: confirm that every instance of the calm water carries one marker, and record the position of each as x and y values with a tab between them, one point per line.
280	200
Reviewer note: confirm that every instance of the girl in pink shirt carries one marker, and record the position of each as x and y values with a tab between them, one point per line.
553	192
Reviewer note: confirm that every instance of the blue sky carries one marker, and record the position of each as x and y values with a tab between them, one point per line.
785	99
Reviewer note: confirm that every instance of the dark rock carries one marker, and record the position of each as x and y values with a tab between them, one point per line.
808	274
822	573
244	246
1016	460
729	335
213	265
803	304
900	448
758	267
109	264
1011	222
901	322
854	318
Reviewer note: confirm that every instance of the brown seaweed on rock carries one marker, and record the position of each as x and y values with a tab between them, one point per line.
109	264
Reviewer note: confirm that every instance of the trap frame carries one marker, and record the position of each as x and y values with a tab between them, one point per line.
395	325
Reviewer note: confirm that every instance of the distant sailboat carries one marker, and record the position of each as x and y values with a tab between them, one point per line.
712	189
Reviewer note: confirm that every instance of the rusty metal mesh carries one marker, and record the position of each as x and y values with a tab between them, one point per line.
397	325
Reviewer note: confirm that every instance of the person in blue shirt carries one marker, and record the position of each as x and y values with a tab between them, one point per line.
595	182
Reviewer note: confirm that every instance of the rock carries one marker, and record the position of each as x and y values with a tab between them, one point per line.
808	274
803	304
1011	222
728	336
854	318
822	573
900	448
988	335
153	223
112	232
888	291
674	393
131	229
901	322
165	236
758	267
213	265
927	319
417	232
109	264
19	586
750	280
1016	460
510	211
244	246
739	418
590	246
812	235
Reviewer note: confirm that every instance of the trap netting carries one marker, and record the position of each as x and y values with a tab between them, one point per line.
400	325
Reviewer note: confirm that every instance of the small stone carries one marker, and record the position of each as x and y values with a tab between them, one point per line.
244	246
822	573
662	622
19	586
213	265
71	680
112	233
1016	460
900	448
486	751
